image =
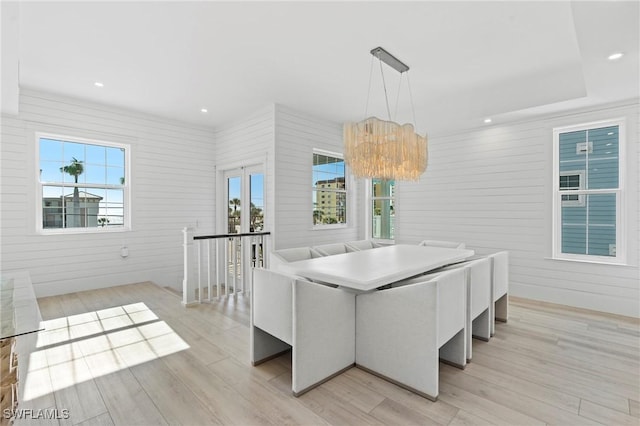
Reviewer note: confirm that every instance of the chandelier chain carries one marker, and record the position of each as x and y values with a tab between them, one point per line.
384	85
395	113
413	108
366	107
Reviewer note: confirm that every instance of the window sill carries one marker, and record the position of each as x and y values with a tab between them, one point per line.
82	231
383	241
598	261
329	227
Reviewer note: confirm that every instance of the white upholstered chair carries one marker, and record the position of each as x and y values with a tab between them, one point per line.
479	303
499	288
362	245
331	249
315	321
278	259
403	331
445	244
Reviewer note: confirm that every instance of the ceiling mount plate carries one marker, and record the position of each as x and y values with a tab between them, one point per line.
389	59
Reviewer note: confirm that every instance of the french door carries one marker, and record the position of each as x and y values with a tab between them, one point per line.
243	209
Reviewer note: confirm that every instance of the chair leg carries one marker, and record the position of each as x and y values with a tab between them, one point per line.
482	326
264	346
454	351
502	308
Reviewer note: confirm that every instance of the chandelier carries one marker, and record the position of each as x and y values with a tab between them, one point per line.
376	148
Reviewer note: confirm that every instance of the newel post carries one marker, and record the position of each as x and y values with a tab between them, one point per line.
189	277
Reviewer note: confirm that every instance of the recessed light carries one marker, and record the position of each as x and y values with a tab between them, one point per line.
203	110
610	133
98	84
487	120
609	144
615	56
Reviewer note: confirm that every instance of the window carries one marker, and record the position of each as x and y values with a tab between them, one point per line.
329	189
572	180
382	213
83	185
588	192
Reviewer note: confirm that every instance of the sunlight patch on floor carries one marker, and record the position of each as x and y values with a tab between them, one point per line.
78	348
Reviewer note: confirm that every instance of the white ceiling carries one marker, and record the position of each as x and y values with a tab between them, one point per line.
469	60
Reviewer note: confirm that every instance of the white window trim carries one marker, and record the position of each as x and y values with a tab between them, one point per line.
621	243
38	192
348	191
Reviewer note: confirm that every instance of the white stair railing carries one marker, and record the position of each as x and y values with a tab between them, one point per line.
228	263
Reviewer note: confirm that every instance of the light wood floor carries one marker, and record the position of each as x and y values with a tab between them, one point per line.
133	355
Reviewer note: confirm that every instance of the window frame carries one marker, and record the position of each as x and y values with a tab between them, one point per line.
346	191
557	203
369	216
126	197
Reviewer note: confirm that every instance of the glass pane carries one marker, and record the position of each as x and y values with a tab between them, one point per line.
382	188
115	175
69	207
329	207
328	172
382	225
73	170
571	160
603	160
94	174
50	171
115	157
81	207
234	196
50	150
73	150
96	154
256	193
590	228
52	214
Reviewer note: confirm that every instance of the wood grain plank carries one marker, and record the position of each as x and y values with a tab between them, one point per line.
127	401
483	407
634	408
177	403
391	412
520	401
101	420
440	412
605	415
464	418
220	398
334	410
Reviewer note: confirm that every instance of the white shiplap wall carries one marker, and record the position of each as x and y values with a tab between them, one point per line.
491	188
172	178
296	135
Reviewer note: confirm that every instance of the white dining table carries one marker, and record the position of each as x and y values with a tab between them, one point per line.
367	270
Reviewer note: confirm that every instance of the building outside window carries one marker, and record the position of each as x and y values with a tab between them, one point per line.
588	192
329	189
382	209
83	184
